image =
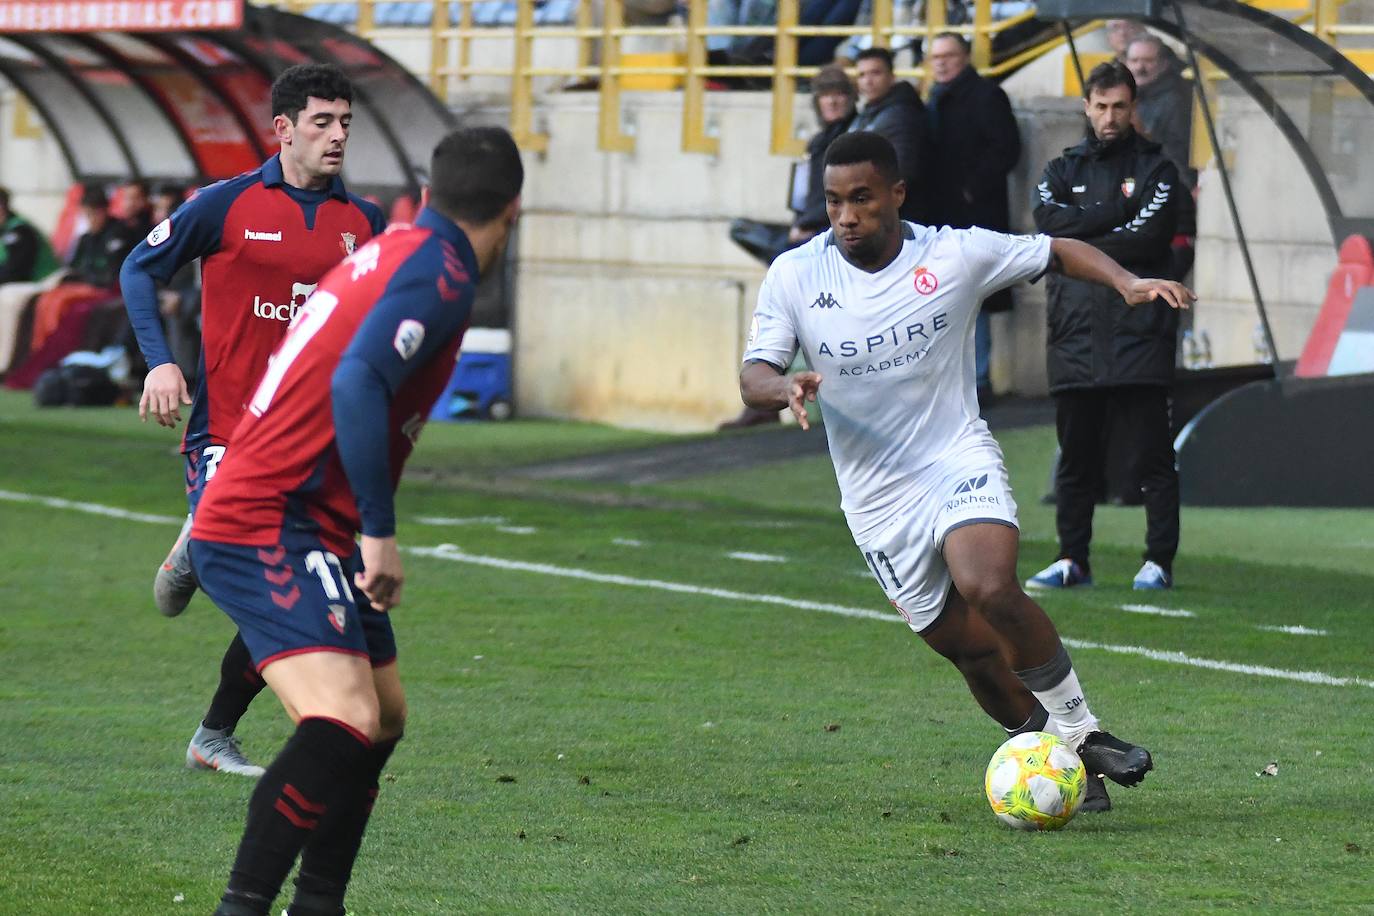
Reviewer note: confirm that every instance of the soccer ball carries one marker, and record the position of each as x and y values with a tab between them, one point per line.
1035	782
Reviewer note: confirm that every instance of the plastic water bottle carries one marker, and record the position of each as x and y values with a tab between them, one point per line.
1261	344
1188	351
1206	354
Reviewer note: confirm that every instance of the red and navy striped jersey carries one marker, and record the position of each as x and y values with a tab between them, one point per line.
345	396
264	246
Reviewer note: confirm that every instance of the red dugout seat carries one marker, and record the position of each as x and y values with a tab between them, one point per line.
1354	269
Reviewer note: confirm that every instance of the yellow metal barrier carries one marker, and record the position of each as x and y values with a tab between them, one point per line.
688	65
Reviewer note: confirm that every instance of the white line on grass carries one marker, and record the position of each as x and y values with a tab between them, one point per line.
91	508
450	552
516	529
445	521
756	557
1295	631
627	542
1182	658
454	554
1158	611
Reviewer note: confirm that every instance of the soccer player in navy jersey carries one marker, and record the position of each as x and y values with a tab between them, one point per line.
264	239
315	463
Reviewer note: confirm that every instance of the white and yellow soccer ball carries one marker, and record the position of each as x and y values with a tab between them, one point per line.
1035	782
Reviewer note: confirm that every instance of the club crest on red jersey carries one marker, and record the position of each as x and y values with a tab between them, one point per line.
349	241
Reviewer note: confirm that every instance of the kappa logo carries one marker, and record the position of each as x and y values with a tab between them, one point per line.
925	281
250	236
337	617
973	483
826	301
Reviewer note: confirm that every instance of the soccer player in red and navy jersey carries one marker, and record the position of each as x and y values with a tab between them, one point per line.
315	463
264	239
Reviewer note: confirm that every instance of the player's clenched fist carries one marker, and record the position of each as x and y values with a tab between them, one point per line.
801	388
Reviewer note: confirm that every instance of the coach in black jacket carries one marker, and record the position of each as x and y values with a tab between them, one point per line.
1110	365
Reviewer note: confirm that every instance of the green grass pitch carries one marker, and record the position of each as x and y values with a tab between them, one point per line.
578	745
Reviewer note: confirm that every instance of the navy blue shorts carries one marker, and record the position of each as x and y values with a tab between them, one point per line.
289	601
200	467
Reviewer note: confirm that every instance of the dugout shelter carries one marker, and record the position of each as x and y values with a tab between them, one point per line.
1299	438
169	101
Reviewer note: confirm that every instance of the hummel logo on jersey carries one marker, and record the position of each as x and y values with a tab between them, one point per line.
251	236
973	483
826	301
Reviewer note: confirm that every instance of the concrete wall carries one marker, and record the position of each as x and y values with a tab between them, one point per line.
31	166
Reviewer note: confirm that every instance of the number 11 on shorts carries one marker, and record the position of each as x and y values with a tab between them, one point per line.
874	560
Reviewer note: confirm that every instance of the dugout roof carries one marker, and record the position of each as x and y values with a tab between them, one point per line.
194	106
1317	98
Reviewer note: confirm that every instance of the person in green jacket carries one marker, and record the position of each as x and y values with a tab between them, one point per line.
25	254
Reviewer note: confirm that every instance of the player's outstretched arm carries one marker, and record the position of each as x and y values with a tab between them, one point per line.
764	387
1082	261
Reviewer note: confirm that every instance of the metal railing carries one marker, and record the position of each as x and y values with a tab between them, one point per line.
451	55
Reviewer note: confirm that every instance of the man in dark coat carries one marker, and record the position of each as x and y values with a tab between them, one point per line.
1111	365
976	145
893	109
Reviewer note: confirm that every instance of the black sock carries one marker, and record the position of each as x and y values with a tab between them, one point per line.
239	682
328	857
322	758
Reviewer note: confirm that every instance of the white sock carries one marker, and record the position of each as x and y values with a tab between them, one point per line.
1056	686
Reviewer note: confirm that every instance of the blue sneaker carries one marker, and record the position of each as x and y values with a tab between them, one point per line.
1063	573
1152	577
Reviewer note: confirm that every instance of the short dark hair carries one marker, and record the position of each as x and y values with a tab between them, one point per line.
865	146
475	173
93	195
296	86
4	198
1108	76
882	54
962	41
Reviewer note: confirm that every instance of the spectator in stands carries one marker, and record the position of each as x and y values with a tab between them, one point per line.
25	254
976	144
833	96
93	273
1120	34
1111	365
892	109
137	208
26	259
1164	113
1164	106
903	12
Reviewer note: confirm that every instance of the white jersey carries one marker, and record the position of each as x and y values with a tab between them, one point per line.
895	349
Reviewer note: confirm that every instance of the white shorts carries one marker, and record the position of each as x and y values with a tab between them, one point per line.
907	557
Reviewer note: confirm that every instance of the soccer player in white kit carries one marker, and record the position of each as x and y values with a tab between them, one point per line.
883	311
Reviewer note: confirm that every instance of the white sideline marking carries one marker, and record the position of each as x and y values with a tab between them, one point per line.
627	542
91	508
756	557
450	552
1182	658
1295	631
474	520
1159	611
516	529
